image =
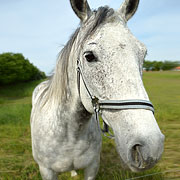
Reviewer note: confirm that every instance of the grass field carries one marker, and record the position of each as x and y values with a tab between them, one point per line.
16	161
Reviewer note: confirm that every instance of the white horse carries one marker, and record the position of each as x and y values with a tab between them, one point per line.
98	71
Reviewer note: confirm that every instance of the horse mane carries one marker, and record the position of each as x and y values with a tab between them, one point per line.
57	85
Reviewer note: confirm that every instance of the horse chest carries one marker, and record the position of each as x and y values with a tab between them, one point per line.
66	148
67	155
77	157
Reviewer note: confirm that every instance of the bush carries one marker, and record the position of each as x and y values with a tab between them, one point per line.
15	68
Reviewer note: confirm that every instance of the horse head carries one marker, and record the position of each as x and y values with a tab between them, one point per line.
111	60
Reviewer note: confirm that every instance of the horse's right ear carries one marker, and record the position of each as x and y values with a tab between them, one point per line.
81	8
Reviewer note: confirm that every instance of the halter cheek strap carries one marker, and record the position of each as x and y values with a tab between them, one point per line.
110	104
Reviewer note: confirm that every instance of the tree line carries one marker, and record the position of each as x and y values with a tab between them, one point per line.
14	67
160	65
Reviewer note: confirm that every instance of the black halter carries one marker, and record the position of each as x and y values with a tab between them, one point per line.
111	104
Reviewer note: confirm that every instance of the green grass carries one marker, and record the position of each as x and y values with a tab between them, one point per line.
16	161
164	91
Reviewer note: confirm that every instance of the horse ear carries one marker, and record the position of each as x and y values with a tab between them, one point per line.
128	8
81	8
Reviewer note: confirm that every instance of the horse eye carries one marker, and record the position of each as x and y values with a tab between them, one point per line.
90	57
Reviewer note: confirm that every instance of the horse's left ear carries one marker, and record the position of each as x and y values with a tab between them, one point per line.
128	8
81	8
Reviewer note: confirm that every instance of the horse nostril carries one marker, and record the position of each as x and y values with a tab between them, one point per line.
137	156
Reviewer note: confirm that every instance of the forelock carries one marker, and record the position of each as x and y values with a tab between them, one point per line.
97	18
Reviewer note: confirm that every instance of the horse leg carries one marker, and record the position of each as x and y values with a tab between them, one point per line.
73	173
92	170
48	174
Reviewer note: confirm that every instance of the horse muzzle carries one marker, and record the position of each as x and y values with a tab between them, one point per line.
144	155
138	138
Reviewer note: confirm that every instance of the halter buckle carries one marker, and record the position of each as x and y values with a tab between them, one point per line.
95	103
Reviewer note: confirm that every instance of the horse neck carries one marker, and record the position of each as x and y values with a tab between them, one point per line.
70	102
74	97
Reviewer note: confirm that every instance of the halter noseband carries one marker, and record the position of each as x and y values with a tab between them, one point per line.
111	104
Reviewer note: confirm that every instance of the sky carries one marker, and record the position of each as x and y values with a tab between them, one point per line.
40	28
